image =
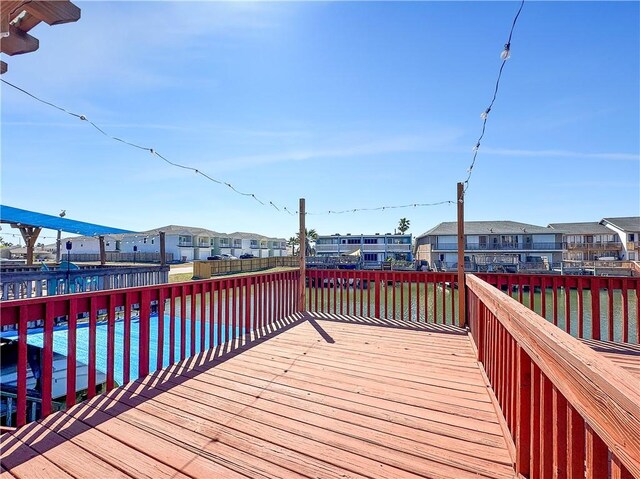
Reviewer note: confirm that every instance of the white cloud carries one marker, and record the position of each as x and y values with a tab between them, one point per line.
562	154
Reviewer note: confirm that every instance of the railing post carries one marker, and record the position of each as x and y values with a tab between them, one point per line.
302	306
462	313
523	413
376	295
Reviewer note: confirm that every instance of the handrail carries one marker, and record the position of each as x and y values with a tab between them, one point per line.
555	379
568	301
404	295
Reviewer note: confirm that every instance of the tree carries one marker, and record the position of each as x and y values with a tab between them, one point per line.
293	241
403	225
311	235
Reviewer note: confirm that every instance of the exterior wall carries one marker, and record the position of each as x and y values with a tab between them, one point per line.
372	247
630	249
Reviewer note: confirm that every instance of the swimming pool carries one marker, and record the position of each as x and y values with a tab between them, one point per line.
60	340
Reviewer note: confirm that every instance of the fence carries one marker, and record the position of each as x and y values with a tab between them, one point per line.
410	296
207	269
568	409
187	319
570	303
119	257
30	284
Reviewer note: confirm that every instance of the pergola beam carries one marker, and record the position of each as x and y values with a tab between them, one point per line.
53	13
18	42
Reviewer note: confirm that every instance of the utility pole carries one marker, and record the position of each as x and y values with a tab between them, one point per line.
462	313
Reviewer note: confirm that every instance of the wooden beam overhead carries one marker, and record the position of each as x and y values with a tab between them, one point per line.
53	13
3	67
18	42
18	17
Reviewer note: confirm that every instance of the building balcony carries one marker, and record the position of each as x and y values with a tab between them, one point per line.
500	247
593	246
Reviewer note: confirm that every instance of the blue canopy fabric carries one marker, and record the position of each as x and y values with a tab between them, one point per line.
8	214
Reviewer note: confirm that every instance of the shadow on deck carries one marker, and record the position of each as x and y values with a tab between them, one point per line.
322	396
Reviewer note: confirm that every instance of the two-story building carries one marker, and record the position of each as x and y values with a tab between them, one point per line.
491	246
372	249
589	241
628	229
184	243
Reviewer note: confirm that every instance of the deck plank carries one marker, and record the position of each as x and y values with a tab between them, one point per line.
328	397
625	355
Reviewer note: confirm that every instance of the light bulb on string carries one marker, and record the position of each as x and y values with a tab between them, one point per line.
506	53
476	148
485	114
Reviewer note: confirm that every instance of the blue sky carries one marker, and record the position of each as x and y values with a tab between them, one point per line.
350	105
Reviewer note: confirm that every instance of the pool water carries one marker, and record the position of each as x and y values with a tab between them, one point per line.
60	338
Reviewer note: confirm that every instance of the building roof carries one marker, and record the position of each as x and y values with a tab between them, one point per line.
587	228
338	235
19	217
185	230
625	223
487	227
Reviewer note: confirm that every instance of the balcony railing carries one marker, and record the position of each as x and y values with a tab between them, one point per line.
155	326
572	304
593	246
500	247
569	411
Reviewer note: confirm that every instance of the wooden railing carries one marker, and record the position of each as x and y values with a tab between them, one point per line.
168	322
570	411
207	269
570	303
408	296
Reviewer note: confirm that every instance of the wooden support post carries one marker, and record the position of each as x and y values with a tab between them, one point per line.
163	259
103	253
30	236
462	313
302	252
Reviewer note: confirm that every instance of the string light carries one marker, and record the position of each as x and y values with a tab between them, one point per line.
153	151
484	116
380	208
506	53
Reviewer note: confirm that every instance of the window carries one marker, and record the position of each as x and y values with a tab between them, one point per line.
353	241
107	243
144	240
632	237
371	241
152	240
371	256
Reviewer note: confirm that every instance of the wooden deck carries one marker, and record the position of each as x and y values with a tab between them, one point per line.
324	396
625	355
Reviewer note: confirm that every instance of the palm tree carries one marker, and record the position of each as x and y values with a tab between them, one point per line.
293	241
311	235
403	225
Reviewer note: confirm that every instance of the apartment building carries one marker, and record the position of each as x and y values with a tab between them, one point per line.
589	241
185	243
491	245
628	230
374	248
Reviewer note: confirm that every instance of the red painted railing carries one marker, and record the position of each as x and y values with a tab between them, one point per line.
215	311
571	412
407	296
570	303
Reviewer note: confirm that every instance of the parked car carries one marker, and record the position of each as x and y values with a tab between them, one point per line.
246	256
215	257
228	256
